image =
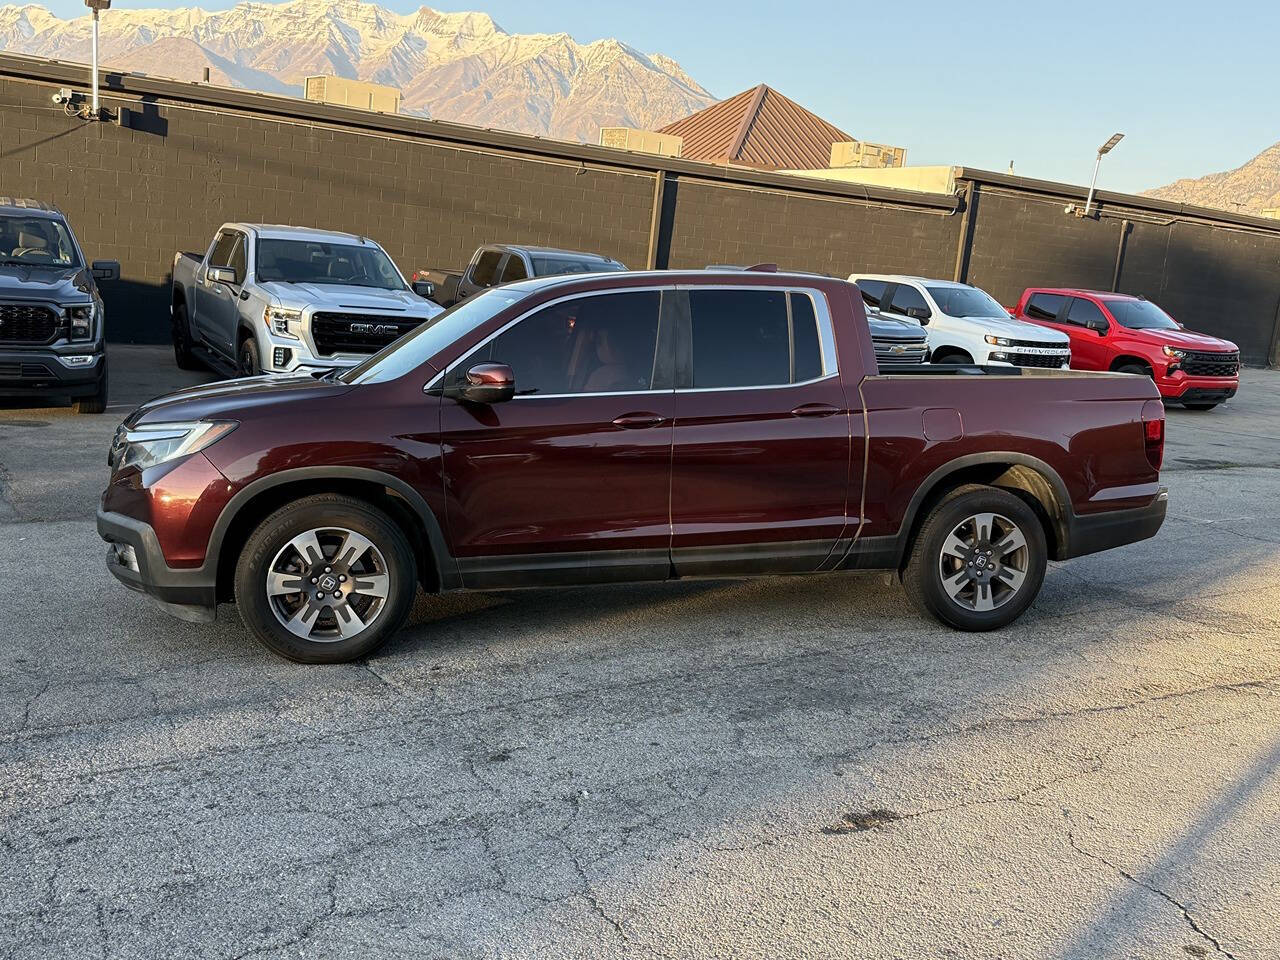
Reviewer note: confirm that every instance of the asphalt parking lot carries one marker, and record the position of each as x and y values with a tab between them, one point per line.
786	767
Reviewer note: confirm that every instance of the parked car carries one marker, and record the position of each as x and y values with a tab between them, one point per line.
51	313
964	324
1113	331
623	427
498	263
275	299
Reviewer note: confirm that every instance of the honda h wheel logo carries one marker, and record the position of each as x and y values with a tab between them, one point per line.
374	329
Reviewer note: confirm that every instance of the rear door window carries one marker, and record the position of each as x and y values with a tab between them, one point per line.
872	291
486	268
1045	306
513	270
753	338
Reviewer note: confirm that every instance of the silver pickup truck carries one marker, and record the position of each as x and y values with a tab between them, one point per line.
497	263
275	299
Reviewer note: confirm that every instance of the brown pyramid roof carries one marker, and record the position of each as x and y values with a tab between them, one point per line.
758	128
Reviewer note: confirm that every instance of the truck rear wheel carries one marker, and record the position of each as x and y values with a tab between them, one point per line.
182	353
326	579
978	560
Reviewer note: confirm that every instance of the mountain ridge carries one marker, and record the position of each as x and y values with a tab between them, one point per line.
459	66
1252	187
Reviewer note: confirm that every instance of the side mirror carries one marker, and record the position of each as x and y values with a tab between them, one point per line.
222	275
105	269
1098	324
487	383
424	288
918	313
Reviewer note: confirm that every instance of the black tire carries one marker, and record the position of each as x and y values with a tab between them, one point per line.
97	402
270	548
182	342
1134	368
954	356
1200	406
247	364
924	576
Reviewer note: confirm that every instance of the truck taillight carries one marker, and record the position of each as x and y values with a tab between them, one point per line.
1153	431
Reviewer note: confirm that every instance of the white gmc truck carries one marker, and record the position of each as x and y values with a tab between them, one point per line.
276	299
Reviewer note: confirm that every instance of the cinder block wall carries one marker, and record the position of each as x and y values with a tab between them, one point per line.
203	156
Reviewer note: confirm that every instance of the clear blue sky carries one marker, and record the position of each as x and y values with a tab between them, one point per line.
1194	86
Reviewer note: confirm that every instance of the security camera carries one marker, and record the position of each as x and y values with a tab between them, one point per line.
64	95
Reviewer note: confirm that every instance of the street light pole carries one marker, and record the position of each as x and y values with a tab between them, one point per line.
96	6
1105	148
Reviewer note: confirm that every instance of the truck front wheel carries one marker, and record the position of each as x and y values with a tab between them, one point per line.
248	364
326	579
978	560
183	354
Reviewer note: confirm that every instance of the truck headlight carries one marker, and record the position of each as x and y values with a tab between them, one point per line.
997	341
1174	353
282	321
80	318
157	442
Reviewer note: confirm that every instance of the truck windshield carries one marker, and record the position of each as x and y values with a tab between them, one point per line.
416	348
1140	315
966	302
550	266
36	242
310	261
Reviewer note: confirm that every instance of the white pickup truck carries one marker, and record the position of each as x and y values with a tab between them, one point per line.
275	299
963	324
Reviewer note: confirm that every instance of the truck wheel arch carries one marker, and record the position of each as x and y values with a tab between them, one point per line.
1022	474
255	501
1127	360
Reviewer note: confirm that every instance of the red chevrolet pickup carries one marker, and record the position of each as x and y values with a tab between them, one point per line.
623	427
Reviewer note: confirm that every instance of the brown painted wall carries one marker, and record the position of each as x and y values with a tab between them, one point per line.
431	193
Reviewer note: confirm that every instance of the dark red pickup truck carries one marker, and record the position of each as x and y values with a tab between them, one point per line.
623	427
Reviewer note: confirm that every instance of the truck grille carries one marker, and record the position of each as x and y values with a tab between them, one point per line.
357	332
24	371
1204	364
27	323
1048	361
900	353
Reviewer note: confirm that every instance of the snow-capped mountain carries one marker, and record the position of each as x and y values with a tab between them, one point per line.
450	66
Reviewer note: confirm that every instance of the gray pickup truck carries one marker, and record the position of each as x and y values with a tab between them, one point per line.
276	299
497	263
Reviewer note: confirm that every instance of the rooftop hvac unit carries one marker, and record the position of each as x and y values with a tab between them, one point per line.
641	141
859	153
344	92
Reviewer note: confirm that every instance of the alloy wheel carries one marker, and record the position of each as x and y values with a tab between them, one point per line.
984	562
328	584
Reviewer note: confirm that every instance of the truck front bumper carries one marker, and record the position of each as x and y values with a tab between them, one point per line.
135	559
43	373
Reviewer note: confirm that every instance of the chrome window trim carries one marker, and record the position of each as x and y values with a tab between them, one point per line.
821	312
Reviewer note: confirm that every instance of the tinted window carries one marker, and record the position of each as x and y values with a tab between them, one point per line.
513	270
740	338
486	268
872	291
36	241
314	261
545	266
600	344
908	298
966	302
239	257
806	353
1082	311
1140	315
1045	306
221	254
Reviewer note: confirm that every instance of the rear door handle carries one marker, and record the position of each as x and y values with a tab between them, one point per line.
815	410
638	421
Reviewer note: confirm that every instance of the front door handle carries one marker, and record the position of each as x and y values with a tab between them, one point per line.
815	410
638	421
